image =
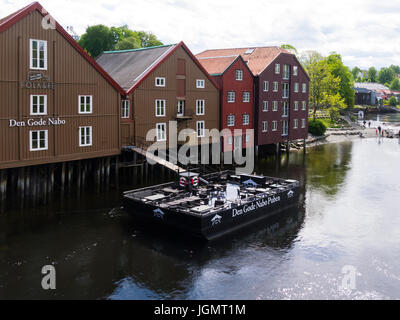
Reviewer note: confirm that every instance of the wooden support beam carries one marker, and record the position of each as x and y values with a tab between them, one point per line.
3	190
78	177
63	169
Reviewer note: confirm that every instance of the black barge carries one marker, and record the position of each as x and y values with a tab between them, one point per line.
212	205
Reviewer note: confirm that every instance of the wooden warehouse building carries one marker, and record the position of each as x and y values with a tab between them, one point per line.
57	104
236	100
164	83
280	95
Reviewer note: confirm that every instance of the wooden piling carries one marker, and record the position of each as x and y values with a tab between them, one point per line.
70	175
27	185
3	190
78	177
63	168
98	175
107	172
21	187
116	172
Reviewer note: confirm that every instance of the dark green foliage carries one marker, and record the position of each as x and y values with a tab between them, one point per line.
393	101
316	127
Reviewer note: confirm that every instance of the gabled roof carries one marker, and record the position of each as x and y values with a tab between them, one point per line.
370	86
130	67
13	18
219	65
257	58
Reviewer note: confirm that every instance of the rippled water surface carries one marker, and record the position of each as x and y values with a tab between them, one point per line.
348	215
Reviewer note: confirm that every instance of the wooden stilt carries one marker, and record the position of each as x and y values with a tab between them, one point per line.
45	184
78	177
27	185
116	172
107	172
70	175
63	169
84	172
3	190
21	187
98	175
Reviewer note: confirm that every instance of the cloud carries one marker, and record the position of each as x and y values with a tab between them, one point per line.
364	32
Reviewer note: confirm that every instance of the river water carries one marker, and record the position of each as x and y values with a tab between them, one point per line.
346	225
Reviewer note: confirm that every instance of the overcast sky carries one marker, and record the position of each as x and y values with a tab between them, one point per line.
364	32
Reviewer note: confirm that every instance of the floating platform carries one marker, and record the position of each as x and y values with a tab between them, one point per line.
212	205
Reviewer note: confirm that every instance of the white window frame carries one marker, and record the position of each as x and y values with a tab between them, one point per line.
200	131
85	104
231	98
46	140
303	123
246	119
180	108
200	83
285	90
296	124
296	106
38	105
37	55
265	106
159	132
276	86
266	86
274	125
277	68
304	87
246	96
285	128
163	107
239	75
159	82
200	107
264	126
286	72
285	109
86	144
304	106
295	70
230	121
296	87
125	109
275	106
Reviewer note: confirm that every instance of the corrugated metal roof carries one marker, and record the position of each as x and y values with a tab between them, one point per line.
370	86
217	65
257	58
127	67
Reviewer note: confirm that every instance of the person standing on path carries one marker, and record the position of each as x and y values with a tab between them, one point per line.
379	130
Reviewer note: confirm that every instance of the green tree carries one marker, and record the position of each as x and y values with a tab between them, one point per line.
289	48
128	43
355	71
393	101
346	84
395	86
97	39
385	75
372	74
121	33
396	69
147	39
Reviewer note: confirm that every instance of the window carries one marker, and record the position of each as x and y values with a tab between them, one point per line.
285	127
265	106
85	136
285	109
246	96
161	131
264	126
275	86
304	87
246	119
85	104
295	70
249	51
285	90
266	85
180	108
160	108
274	125
304	106
125	109
239	75
200	129
275	106
231	120
38	140
231	96
296	123
38	104
38	54
303	123
200	83
277	68
296	87
286	72
160	82
200	107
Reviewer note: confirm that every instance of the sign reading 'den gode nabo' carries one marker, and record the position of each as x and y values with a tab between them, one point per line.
255	205
36	122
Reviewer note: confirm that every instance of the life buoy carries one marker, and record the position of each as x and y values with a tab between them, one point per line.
182	182
195	181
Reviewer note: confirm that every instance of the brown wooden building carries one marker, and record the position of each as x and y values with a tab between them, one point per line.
57	104
162	84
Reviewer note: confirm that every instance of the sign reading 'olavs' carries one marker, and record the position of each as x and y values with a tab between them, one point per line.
37	80
37	122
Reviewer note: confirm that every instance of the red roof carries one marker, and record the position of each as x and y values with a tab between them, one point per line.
13	18
217	65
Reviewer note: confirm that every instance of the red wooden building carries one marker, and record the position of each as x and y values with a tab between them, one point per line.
280	95
236	100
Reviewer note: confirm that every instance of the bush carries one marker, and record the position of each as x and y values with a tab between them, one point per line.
316	127
393	101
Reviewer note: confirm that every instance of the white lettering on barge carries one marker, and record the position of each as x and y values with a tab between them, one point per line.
255	205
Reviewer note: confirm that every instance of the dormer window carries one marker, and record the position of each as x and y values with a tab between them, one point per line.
239	75
160	82
38	54
200	84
